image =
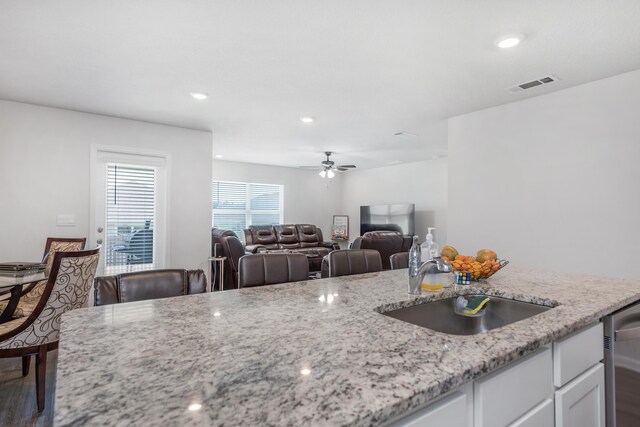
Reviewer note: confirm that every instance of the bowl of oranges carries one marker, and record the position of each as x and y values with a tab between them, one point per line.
484	265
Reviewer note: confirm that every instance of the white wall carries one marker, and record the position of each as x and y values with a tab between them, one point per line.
423	183
552	181
44	171
308	198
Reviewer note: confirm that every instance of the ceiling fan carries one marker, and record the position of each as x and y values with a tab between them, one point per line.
327	167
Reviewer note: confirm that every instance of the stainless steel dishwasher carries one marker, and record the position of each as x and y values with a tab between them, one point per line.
622	367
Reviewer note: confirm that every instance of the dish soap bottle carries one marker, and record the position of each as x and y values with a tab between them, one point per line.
439	274
428	245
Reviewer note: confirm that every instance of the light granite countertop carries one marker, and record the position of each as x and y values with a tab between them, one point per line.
306	353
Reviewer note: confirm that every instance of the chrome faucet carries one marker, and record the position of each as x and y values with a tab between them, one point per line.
434	266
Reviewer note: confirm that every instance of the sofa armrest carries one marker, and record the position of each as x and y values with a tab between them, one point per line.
329	245
255	249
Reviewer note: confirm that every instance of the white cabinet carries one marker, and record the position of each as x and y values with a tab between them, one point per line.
450	411
574	354
581	402
540	416
506	395
522	394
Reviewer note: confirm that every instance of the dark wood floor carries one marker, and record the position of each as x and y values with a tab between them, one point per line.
18	393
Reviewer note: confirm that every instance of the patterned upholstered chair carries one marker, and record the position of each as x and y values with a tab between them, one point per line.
32	293
67	288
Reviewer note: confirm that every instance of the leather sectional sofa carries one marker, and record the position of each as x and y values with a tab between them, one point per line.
297	238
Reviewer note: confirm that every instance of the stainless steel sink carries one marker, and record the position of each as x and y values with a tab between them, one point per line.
440	315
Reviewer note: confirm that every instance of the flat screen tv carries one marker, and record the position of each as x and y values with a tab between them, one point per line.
388	217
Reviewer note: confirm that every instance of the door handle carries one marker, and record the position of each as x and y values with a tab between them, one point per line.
628	334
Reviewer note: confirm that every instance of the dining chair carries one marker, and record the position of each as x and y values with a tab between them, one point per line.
399	260
351	261
271	269
31	294
149	284
66	288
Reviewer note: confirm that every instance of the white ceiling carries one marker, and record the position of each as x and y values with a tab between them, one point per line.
363	68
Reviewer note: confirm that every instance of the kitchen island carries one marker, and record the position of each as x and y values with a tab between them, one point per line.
307	353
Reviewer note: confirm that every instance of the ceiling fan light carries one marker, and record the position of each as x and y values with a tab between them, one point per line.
330	174
323	173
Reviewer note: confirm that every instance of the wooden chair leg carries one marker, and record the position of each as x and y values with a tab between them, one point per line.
41	373
26	361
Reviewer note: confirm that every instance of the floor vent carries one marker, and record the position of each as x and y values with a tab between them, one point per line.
534	83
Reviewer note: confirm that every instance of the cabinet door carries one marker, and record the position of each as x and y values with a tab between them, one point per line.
581	402
504	396
450	411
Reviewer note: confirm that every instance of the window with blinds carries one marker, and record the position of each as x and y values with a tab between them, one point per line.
130	218
237	205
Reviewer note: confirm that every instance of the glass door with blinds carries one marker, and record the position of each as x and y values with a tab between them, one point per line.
128	211
236	205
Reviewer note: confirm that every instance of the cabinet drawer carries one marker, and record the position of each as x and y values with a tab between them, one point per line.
511	392
576	353
581	402
450	411
540	416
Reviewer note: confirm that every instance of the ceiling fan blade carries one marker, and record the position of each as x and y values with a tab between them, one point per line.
342	169
347	166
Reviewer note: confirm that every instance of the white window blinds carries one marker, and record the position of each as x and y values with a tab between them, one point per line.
237	205
130	218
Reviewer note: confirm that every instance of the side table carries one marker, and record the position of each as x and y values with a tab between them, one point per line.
219	260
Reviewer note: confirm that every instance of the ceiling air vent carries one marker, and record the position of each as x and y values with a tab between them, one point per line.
533	83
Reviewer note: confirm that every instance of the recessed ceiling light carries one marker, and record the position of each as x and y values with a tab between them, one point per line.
305	371
219	156
306	119
508	40
200	96
195	407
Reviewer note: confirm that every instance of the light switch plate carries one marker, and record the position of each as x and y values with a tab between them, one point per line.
66	220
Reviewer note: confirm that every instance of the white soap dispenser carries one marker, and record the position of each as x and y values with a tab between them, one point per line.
429	246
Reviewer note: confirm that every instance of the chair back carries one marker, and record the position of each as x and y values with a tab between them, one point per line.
351	261
61	244
67	288
150	284
385	242
399	260
225	243
270	269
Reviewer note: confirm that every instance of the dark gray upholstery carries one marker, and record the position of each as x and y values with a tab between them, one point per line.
151	284
270	269
399	260
351	261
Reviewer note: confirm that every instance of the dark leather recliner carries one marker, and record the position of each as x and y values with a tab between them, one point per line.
225	243
385	242
151	284
351	261
270	269
399	260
